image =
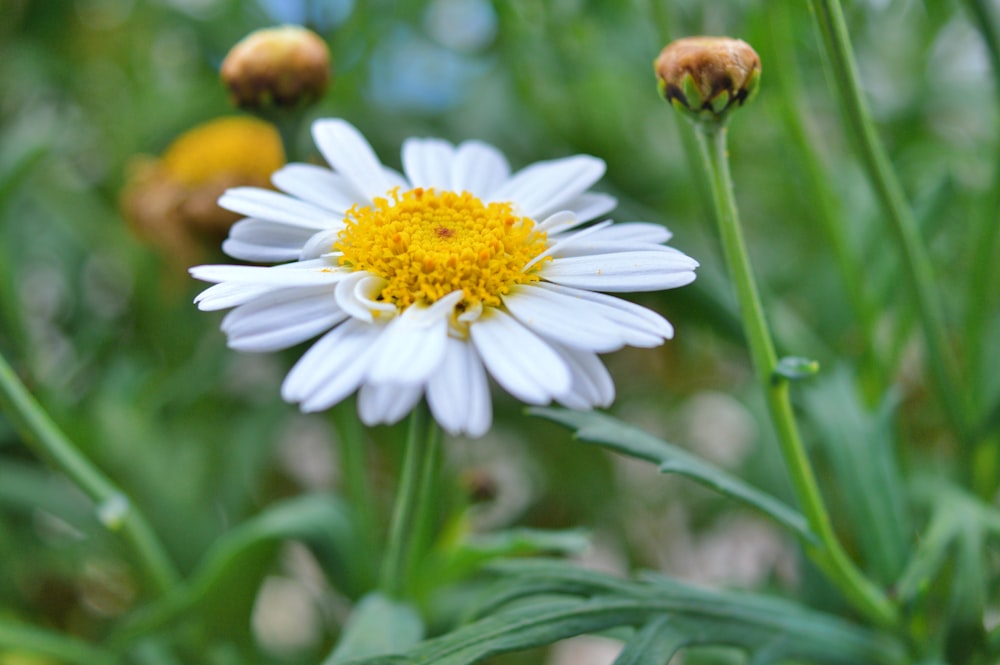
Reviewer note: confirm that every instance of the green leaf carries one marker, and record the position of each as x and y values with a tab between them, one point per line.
772	629
860	446
480	548
225	584
26	639
378	626
608	432
656	643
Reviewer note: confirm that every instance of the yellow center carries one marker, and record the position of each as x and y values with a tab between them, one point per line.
427	244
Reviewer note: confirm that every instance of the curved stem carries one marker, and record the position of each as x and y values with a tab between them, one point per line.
917	264
114	509
410	514
34	640
827	553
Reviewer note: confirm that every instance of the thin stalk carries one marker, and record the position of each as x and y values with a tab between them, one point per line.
983	273
827	553
411	507
114	508
825	206
944	374
19	637
354	473
430	476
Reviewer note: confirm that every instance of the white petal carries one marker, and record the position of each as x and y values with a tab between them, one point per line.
640	326
627	271
563	319
386	403
592	384
275	207
607	238
458	392
545	187
228	294
319	244
333	367
413	345
275	276
558	242
522	363
591	205
478	168
637	232
317	185
262	241
350	155
428	163
358	296
558	222
595	245
282	319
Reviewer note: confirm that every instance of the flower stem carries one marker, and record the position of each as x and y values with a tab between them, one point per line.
18	637
982	281
354	473
410	513
115	510
824	202
827	553
917	264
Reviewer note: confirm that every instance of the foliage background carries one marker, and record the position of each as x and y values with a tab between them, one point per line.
102	327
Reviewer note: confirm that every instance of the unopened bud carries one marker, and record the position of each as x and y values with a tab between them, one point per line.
286	67
707	77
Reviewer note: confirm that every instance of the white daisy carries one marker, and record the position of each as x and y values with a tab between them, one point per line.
424	284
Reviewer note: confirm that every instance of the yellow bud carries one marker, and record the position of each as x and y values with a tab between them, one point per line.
706	77
286	67
171	201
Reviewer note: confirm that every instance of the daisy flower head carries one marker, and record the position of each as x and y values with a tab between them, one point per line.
426	283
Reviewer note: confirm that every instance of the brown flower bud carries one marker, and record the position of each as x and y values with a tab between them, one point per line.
286	67
171	201
706	77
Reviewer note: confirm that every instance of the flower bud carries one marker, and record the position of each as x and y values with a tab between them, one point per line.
706	77
286	67
171	201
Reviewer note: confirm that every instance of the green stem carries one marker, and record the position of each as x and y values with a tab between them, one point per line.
114	508
410	512
34	640
983	276
827	553
890	194
354	472
430	477
824	201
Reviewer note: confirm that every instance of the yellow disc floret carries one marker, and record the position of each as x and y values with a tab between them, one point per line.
427	244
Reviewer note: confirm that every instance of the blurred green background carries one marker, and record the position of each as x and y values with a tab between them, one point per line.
99	321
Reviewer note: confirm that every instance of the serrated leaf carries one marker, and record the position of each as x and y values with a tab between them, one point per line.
774	629
378	626
608	432
522	627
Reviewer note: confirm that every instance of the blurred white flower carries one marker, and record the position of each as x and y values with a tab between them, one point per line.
424	284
